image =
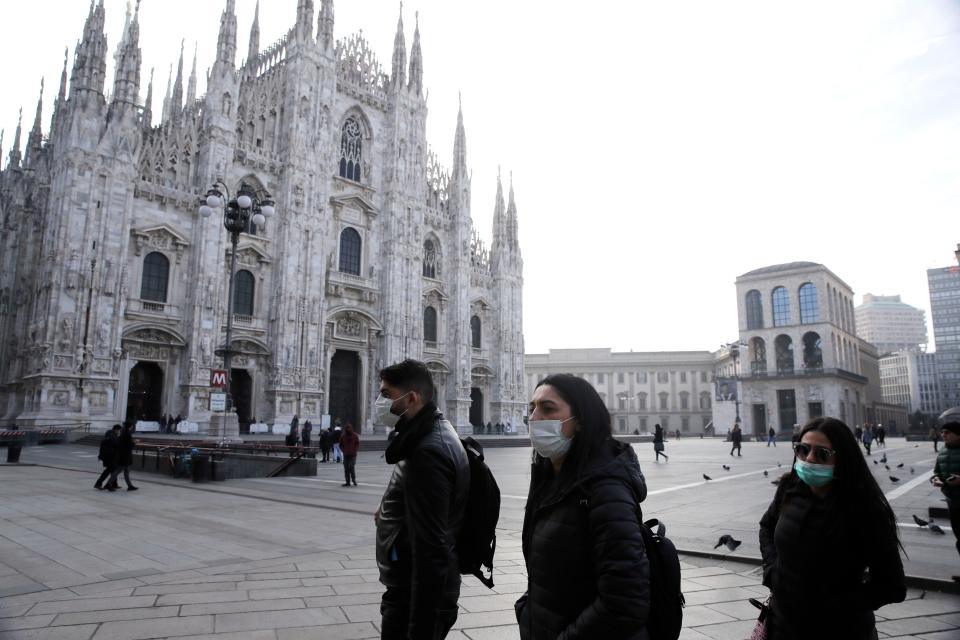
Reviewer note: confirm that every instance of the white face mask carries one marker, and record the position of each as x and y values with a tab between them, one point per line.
382	407
547	438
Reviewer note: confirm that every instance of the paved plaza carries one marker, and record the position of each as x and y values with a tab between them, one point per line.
293	557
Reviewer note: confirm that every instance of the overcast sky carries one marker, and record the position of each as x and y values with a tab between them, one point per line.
659	149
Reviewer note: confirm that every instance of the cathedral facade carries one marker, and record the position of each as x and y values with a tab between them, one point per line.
113	292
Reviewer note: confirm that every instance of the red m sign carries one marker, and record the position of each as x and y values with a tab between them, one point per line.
218	378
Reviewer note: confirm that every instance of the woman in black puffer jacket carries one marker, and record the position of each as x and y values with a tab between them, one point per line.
829	542
588	575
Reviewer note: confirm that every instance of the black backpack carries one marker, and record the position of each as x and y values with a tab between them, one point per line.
478	536
666	598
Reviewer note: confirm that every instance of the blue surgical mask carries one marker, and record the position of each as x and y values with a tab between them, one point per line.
813	475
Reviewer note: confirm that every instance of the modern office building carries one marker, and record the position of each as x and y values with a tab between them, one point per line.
890	324
944	285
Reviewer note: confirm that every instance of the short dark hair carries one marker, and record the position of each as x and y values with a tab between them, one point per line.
410	375
115	427
592	415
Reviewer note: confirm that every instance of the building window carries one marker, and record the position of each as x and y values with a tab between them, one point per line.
243	285
350	251
787	408
601	378
812	352
685	423
475	332
784	346
664	400
781	307
643	425
663	377
758	360
430	324
156	273
703	376
619	378
641	377
431	262
815	409
809	307
621	402
754	310
704	400
685	401
683	376
642	401
622	424
351	149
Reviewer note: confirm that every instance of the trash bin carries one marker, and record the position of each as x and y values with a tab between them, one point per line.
13	452
200	467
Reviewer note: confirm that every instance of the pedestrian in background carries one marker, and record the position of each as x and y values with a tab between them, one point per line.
771	437
828	526
306	433
881	434
946	471
350	446
658	443
125	446
109	448
867	439
325	444
736	437
935	436
335	440
587	568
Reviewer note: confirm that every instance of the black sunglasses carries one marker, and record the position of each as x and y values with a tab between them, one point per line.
820	454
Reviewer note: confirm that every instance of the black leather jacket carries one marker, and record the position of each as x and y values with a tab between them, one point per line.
421	513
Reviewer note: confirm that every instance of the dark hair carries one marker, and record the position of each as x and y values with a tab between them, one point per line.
591	414
115	427
857	489
410	375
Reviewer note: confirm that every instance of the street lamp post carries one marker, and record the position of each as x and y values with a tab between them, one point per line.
734	349
250	205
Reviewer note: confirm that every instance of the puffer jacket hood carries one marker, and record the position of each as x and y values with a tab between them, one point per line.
620	461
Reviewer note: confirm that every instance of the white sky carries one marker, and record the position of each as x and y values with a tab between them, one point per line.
659	149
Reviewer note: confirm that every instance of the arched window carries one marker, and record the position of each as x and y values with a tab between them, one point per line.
430	324
350	251
781	307
704	400
243	284
156	273
754	310
475	332
351	149
431	261
758	357
809	307
812	352
784	346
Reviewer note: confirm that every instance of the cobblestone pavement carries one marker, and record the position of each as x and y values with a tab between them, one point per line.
293	558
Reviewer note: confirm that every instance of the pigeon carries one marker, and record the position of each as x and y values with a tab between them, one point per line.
726	468
911	470
765	473
923	594
727	539
883	458
779	465
887	467
920	521
935	528
706	477
916	446
900	466
894	479
875	462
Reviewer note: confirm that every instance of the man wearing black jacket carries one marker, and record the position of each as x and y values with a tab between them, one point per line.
422	510
109	450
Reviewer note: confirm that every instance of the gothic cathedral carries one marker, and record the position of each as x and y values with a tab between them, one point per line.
113	290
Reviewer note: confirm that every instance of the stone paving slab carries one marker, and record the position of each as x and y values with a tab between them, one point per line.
285	572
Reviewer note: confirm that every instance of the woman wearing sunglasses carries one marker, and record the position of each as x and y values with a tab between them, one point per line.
587	571
828	524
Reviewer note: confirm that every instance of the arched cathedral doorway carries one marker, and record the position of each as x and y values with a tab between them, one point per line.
345	388
476	407
145	392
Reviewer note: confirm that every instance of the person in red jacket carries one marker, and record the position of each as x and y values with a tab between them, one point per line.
350	445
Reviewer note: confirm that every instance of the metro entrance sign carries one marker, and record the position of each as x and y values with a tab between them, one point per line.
218	378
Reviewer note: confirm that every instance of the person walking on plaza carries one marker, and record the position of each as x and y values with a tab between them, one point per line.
935	436
109	447
587	567
335	440
305	434
125	445
422	509
858	433
867	439
658	443
881	434
946	471
772	437
325	444
828	524
350	446
736	437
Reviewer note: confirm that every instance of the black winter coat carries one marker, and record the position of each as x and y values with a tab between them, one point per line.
109	447
588	575
125	450
420	516
815	552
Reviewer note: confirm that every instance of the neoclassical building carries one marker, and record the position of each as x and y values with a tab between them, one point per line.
113	292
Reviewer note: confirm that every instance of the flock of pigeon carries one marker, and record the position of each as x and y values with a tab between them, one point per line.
730	543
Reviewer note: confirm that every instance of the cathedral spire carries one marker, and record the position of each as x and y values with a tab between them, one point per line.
176	98
513	241
15	149
399	54
124	37
165	114
90	61
192	83
126	79
325	25
227	40
416	60
499	218
460	146
61	100
148	104
304	28
35	137
253	49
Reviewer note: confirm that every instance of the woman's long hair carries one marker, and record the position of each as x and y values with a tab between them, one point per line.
857	490
592	416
